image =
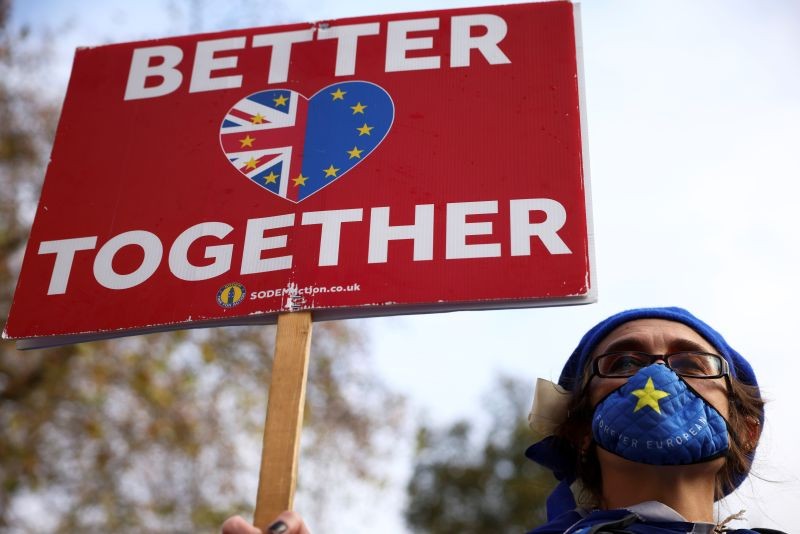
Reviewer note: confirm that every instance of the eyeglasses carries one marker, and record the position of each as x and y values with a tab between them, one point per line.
691	364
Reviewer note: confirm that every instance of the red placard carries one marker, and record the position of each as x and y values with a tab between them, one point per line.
369	166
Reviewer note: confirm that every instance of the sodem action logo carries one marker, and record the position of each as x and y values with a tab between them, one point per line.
230	295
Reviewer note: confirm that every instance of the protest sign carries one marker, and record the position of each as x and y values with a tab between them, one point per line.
380	165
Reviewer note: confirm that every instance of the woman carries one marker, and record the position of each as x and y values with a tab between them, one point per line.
661	418
655	417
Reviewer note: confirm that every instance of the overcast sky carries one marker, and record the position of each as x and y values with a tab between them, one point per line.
693	111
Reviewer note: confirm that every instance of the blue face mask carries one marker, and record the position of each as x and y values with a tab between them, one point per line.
656	418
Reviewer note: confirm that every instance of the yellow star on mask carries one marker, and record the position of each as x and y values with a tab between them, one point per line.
648	396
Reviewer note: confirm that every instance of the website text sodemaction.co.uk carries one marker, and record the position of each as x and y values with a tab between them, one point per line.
307	290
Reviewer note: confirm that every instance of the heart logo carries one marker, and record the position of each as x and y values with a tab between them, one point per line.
293	146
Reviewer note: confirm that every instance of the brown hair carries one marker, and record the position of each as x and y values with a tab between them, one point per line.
745	414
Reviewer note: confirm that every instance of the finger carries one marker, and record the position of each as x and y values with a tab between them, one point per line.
238	525
288	523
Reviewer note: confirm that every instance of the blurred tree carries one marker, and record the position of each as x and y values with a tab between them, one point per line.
151	433
462	486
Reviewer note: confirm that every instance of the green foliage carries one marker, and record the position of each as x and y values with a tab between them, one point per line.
157	433
462	486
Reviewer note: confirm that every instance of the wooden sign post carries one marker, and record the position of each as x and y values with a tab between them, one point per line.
287	394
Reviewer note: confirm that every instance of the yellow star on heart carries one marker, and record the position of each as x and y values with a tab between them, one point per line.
270	178
648	396
358	108
338	94
330	171
252	163
300	180
247	141
258	118
355	153
365	130
280	101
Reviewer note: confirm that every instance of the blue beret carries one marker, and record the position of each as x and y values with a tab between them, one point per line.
573	370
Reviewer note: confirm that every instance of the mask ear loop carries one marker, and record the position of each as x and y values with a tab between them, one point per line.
735	405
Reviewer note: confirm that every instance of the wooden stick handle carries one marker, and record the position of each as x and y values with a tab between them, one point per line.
287	394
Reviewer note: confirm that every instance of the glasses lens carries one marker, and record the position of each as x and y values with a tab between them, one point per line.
698	364
619	364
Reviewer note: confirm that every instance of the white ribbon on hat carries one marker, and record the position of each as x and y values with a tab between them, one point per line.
549	409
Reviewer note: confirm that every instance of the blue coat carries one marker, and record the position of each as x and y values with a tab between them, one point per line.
622	522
